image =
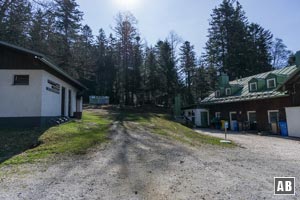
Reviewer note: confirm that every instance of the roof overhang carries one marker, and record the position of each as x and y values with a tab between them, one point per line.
42	58
244	99
294	76
55	68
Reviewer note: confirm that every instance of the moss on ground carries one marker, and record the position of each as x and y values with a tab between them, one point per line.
74	137
77	136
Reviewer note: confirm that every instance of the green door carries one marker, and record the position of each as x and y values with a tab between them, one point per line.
204	118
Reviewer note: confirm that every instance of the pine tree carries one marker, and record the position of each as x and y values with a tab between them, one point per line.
169	85
201	86
226	44
84	61
188	65
136	70
259	56
100	65
5	7
111	63
154	77
15	19
126	34
234	46
105	75
38	32
68	24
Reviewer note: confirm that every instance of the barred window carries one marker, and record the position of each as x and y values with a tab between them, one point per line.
21	79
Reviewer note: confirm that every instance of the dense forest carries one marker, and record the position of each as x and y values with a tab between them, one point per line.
128	70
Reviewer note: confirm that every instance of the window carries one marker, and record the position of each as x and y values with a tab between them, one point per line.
217	94
273	116
228	91
218	115
21	80
253	87
271	83
252	116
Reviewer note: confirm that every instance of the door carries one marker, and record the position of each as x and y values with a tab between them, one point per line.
273	118
233	120
252	125
204	118
63	98
292	117
69	104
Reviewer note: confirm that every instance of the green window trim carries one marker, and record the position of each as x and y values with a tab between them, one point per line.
228	91
251	88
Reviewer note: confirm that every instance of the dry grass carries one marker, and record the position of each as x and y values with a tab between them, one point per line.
163	124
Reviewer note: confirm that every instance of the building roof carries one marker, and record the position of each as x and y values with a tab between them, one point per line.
293	77
46	61
244	95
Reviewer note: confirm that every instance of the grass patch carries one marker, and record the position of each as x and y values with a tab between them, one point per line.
163	124
15	141
74	137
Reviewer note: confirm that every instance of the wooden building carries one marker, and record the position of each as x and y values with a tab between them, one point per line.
257	102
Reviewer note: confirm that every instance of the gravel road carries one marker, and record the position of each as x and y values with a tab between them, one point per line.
137	164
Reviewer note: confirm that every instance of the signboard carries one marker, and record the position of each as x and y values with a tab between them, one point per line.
226	125
53	87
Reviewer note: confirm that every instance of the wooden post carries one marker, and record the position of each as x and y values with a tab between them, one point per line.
226	126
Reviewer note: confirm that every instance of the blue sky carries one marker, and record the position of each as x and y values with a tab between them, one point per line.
190	18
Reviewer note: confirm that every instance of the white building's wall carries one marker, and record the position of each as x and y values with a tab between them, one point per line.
197	115
51	102
79	104
20	100
188	113
33	100
292	116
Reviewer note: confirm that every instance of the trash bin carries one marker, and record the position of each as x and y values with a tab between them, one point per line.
223	124
235	126
218	125
283	128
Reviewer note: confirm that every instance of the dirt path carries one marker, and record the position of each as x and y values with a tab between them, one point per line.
140	165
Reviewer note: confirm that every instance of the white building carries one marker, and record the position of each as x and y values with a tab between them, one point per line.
198	116
33	91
